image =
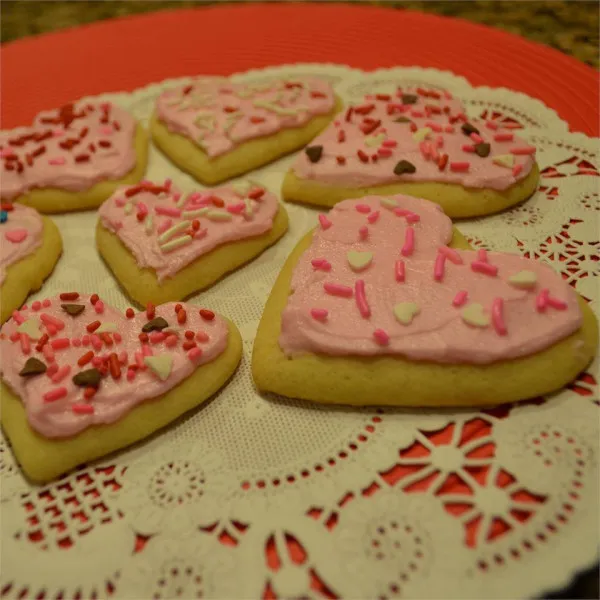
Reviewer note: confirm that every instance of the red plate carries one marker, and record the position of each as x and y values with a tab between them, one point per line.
123	54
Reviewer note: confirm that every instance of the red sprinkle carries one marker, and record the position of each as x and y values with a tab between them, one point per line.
188	345
55	394
365	109
82	158
341	136
207	315
69	296
82	409
150	310
60	343
256	193
115	367
443	161
195	225
368	128
341	160
348	116
316	94
106	338
217	201
143	337
93	326
189	335
94	298
257	120
41	342
84	359
178	307
89	392
181	316
384	97
362	156
129	313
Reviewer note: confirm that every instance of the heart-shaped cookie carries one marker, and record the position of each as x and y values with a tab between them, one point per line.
417	142
72	391
72	158
30	246
216	129
164	245
426	322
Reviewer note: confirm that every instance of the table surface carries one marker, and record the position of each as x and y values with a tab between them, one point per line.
571	27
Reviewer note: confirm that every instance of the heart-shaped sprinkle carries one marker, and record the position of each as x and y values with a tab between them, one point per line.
421	134
504	160
482	149
156	324
388	202
73	309
374	140
30	327
107	327
402	120
359	261
314	153
405	312
474	315
16	236
241	188
468	129
88	378
3	216
161	365
32	366
409	99
404	167
523	279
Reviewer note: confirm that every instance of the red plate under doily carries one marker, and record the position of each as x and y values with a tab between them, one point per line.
123	54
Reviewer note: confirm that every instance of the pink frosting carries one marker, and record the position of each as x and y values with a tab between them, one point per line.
20	235
340	310
71	148
218	115
56	407
364	147
150	219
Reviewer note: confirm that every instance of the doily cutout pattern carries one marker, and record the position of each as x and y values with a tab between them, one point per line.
269	497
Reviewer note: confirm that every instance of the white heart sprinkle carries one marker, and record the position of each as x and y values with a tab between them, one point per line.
523	279
405	312
359	260
106	328
389	203
504	160
31	327
160	364
474	315
374	140
421	134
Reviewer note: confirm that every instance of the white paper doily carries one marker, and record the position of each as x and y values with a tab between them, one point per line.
268	497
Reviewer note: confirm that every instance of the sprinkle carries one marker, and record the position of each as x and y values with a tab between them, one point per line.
523	151
474	315
476	138
46	303
517	169
363	208
55	394
25	343
335	289
32	366
60	343
130	374
194	214
325	222
321	264
483	267
218	215
172	231
399	270
409	242
438	270
194	354
373	217
503	137
139	359
404	167
381	337
491	125
146	350
439	141
160	365
156	337
167	211
69	296
36	305
94	298
176	243
452	255
129	313
114	366
421	134
384	152
314	153
319	314
31	328
448	129
181	316
523	279
556	304
541	301
361	299
171	340
128	208
82	409
150	310
363	232
504	160
389	203
498	317
482	150
460	166
442	162
50	320
91	327
48	354
363	156
99	307
434	126
467	148
207	315
84	359
236	209
52	369
89	392
96	342
389	143
460	298
405	312
341	160
41	342
61	374
359	261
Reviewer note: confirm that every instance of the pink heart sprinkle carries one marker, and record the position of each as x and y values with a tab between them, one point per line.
16	236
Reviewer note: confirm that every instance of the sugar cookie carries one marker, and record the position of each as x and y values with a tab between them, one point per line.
424	323
163	245
81	380
72	158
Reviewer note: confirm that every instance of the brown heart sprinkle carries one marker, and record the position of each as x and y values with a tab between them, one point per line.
73	309
482	150
157	324
409	99
402	120
33	366
314	153
468	129
404	167
89	378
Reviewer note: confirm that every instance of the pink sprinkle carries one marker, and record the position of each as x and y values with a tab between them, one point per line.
59	160
76	342
130	375
157	336
117	337
58	132
361	299
483	267
96	342
177	197
200	234
389	143
373	217
146	350
452	255
51	370
25	343
319	314
460	298
556	303
85	340
50	320
36	305
517	169
120	202
325	222
498	316
363	208
400	270
167	211
82	409
61	374
412	217
482	255
194	354
503	137
384	152
17	317
438	270
424	148
171	341
434	126
467	148
139	360
123	357
381	337
46	303
167	184
409	242
164	226
51	329
55	394
6	152
202	336
235	209
476	138
363	232
524	150
16	236
460	166
48	354
449	129
321	264
106	130
60	343
24	307
335	289
439	141
15	337
491	125
417	113
96	361
142	208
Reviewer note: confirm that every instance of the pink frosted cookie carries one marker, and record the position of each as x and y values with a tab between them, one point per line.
416	142
164	245
383	304
72	158
81	379
30	246
216	129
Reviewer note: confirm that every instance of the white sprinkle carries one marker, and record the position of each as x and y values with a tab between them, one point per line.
149	224
176	243
248	211
169	233
194	214
128	208
219	215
